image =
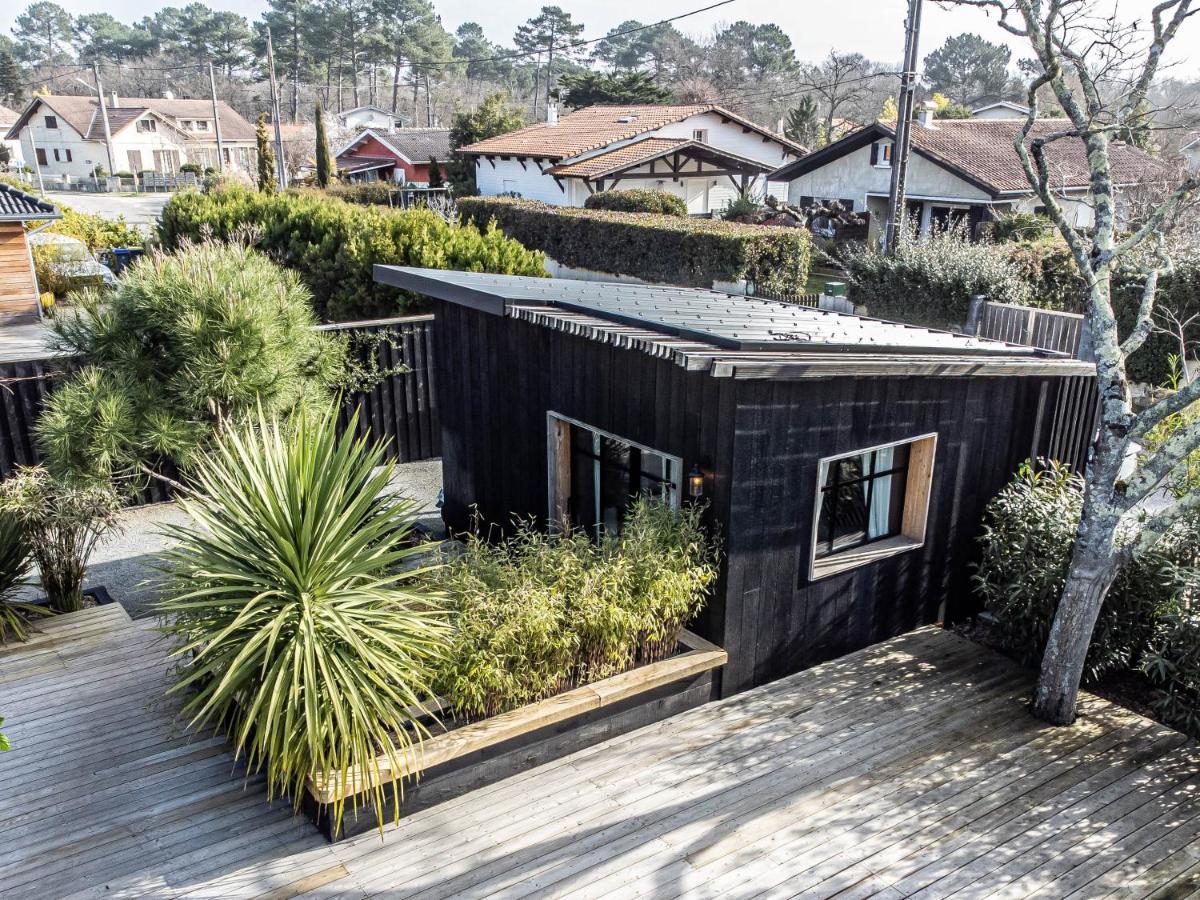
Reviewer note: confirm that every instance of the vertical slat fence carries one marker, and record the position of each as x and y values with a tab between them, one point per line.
400	409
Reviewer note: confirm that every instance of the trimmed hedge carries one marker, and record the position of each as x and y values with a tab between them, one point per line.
655	248
638	200
334	245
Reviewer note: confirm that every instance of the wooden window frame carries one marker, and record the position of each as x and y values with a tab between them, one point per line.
914	520
558	464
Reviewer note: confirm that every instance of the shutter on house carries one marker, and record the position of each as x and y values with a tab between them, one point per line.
874	154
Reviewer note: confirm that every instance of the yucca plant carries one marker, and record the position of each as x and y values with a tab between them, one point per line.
14	563
305	630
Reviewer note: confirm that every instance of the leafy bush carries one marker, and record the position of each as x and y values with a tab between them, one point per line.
97	232
186	341
1172	663
62	523
493	116
303	632
1048	270
739	208
14	562
537	614
637	200
334	246
1029	532
930	282
1020	226
655	248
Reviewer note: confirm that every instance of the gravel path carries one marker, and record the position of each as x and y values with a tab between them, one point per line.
124	562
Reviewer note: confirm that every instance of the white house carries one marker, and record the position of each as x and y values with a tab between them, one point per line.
1002	109
64	135
375	117
8	118
700	152
959	169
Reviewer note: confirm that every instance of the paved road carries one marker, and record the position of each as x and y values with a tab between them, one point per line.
138	209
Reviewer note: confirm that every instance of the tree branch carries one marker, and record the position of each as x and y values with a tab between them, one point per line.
1152	470
1145	317
1147	419
1157	525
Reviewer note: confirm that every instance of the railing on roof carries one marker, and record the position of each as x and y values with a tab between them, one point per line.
1048	329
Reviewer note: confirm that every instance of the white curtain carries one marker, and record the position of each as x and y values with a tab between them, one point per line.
881	494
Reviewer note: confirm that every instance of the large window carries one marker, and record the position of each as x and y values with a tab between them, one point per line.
871	503
595	475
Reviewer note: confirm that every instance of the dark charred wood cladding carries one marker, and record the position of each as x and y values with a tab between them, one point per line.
760	443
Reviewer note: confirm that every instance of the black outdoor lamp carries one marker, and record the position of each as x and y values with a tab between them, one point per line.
695	483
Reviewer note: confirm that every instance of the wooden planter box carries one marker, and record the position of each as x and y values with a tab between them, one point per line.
487	751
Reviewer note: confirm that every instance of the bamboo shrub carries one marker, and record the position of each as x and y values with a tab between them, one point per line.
537	614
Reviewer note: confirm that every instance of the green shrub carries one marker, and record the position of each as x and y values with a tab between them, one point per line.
62	522
14	563
537	614
1028	535
302	629
637	200
334	246
97	232
655	248
1048	270
1020	226
1172	663
741	207
931	281
367	193
186	341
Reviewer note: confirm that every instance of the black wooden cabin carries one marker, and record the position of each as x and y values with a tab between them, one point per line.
845	461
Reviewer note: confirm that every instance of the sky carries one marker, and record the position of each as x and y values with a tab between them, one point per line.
872	27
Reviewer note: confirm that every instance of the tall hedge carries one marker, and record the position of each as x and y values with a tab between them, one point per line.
667	249
334	245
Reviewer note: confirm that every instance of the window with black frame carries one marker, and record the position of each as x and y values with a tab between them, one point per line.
861	499
607	473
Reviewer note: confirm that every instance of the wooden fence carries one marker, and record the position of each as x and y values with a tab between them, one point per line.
400	409
1045	328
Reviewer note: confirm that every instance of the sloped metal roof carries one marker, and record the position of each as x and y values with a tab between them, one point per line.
18	206
728	335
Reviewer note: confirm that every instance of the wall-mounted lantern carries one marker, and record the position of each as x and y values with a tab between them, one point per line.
695	483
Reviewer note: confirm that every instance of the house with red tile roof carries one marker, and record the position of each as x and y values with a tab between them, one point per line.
402	155
959	170
701	152
64	135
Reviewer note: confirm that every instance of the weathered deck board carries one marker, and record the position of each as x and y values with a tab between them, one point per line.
909	769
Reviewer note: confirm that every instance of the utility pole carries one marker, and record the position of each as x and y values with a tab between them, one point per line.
280	170
112	161
904	111
212	86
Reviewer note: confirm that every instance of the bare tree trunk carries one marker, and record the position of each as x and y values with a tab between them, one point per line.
399	62
428	104
1092	572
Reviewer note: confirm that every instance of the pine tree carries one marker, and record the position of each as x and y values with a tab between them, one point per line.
10	78
325	163
435	173
266	159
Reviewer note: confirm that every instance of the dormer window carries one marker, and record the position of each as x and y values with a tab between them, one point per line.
202	125
625	120
881	154
700	135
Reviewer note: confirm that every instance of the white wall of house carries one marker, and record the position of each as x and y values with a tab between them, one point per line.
711	195
158	150
502	176
853	177
368	118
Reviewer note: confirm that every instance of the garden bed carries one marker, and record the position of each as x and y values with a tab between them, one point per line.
470	756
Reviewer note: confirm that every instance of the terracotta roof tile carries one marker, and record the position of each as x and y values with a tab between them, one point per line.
983	148
630	154
594	127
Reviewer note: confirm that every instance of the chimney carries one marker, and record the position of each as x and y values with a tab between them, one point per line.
112	100
925	114
551	114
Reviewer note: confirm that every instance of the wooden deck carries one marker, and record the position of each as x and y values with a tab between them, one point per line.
909	769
